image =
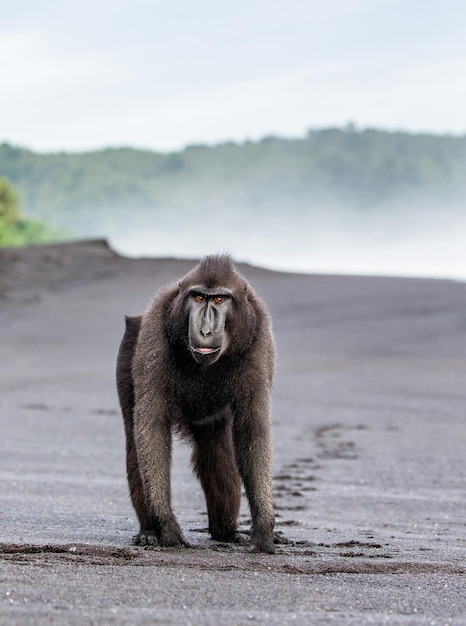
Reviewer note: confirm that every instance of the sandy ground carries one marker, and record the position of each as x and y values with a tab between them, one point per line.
370	448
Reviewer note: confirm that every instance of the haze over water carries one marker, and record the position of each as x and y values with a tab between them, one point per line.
432	247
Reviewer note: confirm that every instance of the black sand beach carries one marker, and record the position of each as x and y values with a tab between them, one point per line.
369	469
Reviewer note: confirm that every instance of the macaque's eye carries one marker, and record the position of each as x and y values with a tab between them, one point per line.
218	299
198	299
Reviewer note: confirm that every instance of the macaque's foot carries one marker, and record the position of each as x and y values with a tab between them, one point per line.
240	538
278	538
263	544
169	538
263	540
145	538
172	537
228	535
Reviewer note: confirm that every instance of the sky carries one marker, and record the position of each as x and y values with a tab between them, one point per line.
78	76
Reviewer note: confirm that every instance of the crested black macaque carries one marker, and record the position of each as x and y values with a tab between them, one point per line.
200	362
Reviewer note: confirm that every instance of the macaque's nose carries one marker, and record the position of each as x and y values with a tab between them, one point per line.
207	323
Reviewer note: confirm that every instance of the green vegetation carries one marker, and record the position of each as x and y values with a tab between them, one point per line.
367	171
15	230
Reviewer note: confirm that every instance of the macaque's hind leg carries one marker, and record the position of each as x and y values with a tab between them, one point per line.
214	463
125	387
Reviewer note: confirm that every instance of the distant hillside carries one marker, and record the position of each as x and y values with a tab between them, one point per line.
367	171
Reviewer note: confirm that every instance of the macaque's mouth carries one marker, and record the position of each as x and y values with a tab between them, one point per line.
205	350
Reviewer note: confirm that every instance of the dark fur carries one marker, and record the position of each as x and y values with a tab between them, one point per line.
222	407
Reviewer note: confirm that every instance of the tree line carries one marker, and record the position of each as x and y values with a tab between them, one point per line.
363	170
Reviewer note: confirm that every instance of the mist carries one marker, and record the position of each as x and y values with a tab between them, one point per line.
421	242
337	200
